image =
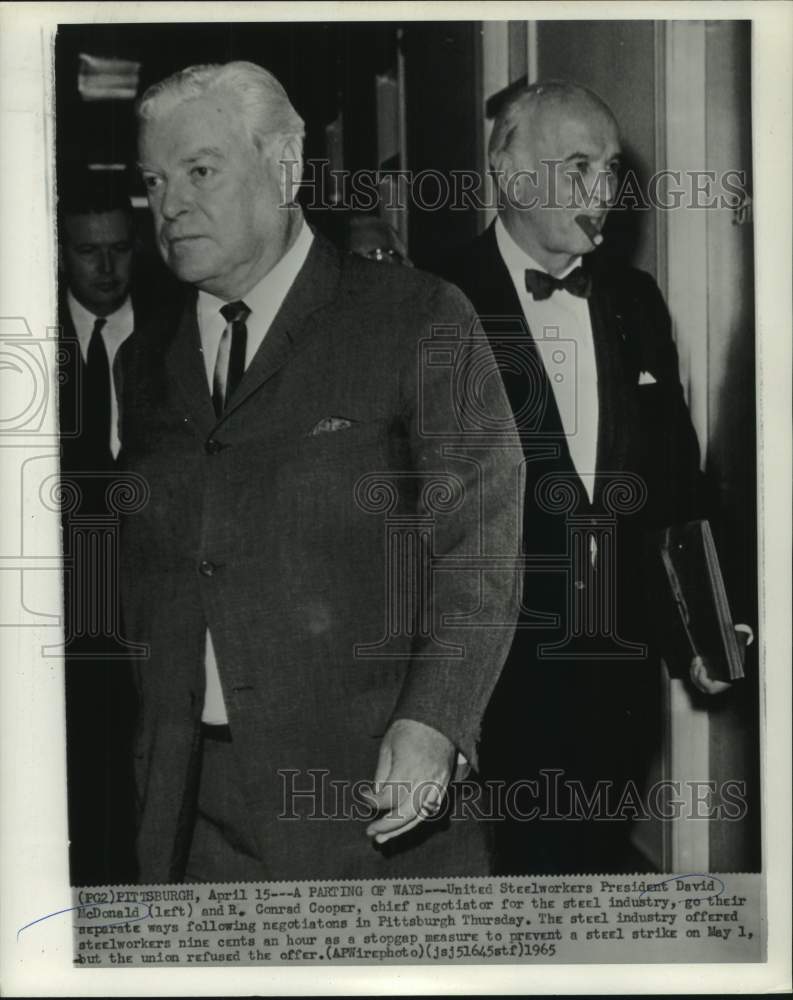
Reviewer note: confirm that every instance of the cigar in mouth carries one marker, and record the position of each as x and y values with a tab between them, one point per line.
589	229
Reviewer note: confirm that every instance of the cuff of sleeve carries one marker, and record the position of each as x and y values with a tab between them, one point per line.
462	769
748	632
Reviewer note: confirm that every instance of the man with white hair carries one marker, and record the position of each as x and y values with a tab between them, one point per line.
283	426
589	365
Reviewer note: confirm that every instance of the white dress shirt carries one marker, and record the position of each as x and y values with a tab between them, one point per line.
562	323
264	300
118	326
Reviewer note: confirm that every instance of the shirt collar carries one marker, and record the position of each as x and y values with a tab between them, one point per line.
118	324
266	297
516	258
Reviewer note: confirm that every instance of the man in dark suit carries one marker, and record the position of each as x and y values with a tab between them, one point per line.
589	365
97	313
310	469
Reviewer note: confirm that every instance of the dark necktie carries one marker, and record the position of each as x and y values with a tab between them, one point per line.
230	364
96	412
542	285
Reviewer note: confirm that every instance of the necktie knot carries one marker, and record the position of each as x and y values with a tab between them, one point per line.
542	285
235	312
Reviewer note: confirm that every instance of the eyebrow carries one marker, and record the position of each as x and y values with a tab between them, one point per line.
213	151
588	156
92	244
204	151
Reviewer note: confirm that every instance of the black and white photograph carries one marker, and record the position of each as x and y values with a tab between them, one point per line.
397	479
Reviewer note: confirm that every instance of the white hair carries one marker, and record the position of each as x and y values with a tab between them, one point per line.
265	105
528	99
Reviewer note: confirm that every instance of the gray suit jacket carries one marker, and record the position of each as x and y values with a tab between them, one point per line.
279	528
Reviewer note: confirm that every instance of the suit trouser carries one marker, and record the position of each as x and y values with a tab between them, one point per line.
223	848
99	717
568	724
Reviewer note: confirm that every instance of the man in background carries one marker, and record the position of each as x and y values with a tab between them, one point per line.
589	365
95	308
372	237
99	306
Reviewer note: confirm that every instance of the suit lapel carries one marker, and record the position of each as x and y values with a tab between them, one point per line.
73	358
498	290
185	366
495	285
316	285
71	378
615	399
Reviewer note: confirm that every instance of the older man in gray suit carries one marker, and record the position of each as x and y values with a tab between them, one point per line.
310	418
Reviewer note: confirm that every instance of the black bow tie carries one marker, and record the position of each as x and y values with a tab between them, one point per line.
542	285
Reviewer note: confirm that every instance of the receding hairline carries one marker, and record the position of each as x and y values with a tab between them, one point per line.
528	105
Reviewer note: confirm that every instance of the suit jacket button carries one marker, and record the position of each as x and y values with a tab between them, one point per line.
206	568
212	446
579	585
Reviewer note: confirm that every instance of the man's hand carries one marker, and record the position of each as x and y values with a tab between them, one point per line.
413	771
698	671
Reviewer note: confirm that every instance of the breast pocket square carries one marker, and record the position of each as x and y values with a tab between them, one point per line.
329	424
645	378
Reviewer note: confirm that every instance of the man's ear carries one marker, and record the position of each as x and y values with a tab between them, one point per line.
290	163
501	168
521	186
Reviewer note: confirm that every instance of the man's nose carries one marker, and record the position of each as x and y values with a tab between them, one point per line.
107	262
175	200
605	188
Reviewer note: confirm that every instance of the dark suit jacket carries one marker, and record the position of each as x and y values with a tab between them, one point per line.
645	434
100	696
79	451
99	691
578	696
273	537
